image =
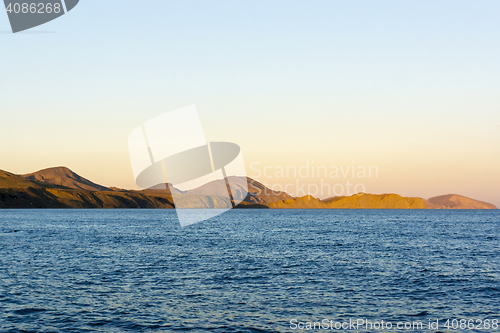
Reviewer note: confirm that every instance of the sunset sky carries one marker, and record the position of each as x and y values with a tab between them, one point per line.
412	88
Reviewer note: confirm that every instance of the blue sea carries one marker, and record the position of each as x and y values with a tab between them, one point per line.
249	271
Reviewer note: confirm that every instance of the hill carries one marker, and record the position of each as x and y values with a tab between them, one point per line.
19	192
65	177
10	180
356	201
376	201
455	201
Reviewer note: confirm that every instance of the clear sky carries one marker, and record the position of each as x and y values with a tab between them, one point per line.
412	88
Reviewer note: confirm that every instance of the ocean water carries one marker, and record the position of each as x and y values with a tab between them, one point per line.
248	270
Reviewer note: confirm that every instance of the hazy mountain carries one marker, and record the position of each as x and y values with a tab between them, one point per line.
455	201
261	194
220	188
165	189
65	177
257	193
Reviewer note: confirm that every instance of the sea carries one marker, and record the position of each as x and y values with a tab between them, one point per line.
250	270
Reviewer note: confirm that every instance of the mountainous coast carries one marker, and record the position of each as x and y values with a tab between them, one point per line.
62	188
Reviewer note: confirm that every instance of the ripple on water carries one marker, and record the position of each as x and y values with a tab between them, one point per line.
244	271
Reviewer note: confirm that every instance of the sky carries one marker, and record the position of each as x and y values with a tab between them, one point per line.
409	88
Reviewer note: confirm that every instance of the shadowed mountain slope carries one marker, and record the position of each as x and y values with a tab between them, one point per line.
10	180
19	192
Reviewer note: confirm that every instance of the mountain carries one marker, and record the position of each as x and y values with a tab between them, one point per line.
65	177
165	189
62	188
455	201
257	193
220	188
376	201
356	201
260	194
9	180
19	192
305	202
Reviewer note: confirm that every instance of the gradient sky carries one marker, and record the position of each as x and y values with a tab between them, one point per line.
410	87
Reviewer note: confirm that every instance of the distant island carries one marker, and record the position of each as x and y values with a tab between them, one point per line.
60	187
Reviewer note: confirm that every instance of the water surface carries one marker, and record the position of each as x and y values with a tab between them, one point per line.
244	271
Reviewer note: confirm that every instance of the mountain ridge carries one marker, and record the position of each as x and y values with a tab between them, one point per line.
60	187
